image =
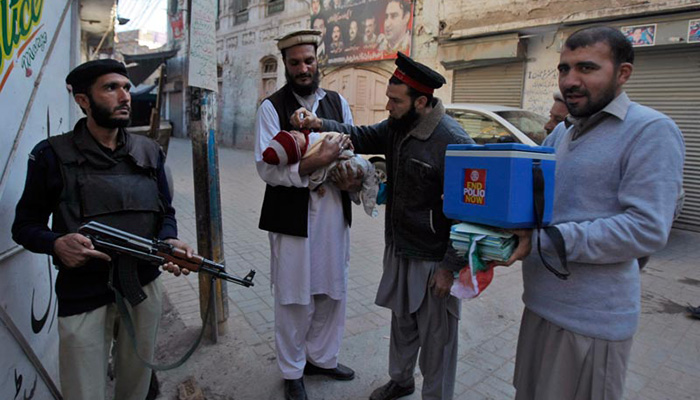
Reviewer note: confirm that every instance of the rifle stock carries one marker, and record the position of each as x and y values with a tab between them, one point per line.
154	251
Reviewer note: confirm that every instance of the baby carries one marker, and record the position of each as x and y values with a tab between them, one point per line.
290	147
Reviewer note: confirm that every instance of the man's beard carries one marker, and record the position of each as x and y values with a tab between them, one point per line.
103	116
406	122
304	90
590	107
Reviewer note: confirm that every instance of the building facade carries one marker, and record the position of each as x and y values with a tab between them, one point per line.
506	52
252	68
493	51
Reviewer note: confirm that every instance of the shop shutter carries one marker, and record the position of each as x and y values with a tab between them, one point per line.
496	84
669	81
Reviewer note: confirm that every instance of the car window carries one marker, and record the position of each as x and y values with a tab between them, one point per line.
481	128
527	122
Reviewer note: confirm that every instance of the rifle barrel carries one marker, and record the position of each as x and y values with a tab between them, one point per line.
104	237
132	252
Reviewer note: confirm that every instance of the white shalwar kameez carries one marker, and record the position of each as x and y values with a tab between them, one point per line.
308	275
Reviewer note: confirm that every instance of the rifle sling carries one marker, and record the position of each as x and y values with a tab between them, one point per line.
129	325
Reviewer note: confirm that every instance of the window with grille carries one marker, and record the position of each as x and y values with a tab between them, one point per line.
269	77
240	10
270	67
275	6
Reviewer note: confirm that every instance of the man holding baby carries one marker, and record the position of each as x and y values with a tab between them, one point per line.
308	230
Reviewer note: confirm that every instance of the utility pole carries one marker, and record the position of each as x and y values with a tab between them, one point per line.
202	82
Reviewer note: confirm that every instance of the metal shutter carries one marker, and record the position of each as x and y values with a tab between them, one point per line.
669	81
497	84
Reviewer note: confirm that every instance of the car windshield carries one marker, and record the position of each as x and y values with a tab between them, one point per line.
527	122
481	128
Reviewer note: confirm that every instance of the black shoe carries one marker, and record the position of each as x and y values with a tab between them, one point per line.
693	311
153	388
392	391
341	372
294	389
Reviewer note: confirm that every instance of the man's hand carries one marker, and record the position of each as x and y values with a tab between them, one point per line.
330	150
521	251
441	282
305	119
346	179
74	250
174	268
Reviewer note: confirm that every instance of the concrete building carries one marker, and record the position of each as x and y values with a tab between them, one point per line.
139	41
252	66
506	52
494	51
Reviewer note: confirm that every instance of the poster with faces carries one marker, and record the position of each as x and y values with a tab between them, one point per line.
356	31
640	35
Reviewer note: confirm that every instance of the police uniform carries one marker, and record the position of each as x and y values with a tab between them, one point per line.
75	179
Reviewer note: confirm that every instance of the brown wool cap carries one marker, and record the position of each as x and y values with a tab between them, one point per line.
305	36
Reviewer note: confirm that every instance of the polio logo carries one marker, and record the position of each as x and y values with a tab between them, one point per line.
475	186
475	175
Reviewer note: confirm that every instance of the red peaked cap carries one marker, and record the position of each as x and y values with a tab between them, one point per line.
417	75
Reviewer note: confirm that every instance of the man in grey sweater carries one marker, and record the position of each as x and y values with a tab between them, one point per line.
619	173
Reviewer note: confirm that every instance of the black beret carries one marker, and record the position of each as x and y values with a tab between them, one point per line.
417	75
84	75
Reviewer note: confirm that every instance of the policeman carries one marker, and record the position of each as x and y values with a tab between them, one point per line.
99	172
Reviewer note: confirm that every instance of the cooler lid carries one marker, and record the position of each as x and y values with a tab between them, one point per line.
502	147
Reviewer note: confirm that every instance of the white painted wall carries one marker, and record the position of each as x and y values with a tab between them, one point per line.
240	50
541	76
26	279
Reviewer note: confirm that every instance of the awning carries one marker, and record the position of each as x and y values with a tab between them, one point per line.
480	52
141	66
140	90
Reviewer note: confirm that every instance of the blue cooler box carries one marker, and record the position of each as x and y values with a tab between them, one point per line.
492	184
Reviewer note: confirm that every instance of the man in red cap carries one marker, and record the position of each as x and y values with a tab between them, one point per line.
419	263
99	172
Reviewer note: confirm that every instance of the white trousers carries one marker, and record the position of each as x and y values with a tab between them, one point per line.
310	332
85	341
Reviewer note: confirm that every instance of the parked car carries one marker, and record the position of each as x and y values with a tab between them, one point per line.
487	123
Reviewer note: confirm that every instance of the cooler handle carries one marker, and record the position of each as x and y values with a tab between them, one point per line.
551	231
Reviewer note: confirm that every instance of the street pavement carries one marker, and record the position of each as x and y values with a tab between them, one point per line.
665	361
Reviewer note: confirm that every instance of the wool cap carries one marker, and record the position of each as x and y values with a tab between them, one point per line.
417	75
84	75
305	36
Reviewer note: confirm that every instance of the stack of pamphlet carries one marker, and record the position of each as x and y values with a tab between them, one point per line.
478	245
491	245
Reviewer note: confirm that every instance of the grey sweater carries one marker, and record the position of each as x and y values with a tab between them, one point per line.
616	187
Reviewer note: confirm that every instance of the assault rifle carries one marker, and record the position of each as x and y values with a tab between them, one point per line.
157	252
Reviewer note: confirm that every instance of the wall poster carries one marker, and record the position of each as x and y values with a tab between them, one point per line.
356	31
